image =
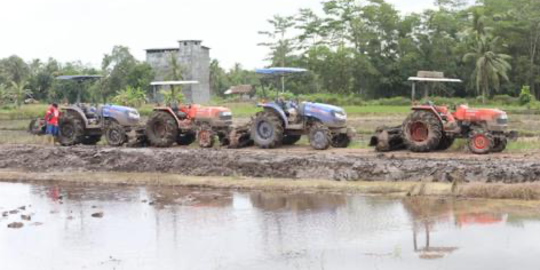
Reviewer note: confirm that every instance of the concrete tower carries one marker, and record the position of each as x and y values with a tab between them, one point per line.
194	60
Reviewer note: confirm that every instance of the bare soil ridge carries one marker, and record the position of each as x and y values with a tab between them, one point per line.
293	163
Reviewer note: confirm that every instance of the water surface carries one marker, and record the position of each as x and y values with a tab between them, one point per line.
178	228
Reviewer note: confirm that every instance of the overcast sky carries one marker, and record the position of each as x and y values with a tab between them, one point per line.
85	30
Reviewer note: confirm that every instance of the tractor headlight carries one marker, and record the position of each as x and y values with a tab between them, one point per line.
502	119
340	115
133	115
225	115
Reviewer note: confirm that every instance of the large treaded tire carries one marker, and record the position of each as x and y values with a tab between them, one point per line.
290	139
499	145
71	130
423	131
267	130
480	141
36	127
206	137
115	134
162	129
341	141
319	137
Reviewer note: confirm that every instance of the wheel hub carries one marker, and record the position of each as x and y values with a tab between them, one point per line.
265	130
114	136
480	142
160	129
419	132
204	137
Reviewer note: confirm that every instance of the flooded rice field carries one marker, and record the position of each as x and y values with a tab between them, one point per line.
104	227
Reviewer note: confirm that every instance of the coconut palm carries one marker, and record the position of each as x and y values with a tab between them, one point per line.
4	97
490	67
19	92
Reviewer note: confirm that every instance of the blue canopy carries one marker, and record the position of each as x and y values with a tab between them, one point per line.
279	70
78	77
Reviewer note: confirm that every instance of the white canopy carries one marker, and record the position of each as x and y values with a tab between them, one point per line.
165	83
419	79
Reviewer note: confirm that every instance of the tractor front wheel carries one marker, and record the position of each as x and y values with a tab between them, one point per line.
341	141
499	145
115	134
319	137
480	142
423	131
206	137
267	130
71	130
162	129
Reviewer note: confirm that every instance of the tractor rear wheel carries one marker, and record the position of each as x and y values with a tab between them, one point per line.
186	138
319	137
71	130
206	136
115	134
290	139
267	130
423	131
480	142
162	129
499	145
341	141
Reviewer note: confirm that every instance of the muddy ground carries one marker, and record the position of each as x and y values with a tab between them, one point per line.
291	163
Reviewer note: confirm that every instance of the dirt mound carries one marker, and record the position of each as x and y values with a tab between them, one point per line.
343	166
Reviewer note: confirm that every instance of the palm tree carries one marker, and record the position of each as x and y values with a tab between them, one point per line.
4	95
490	67
18	92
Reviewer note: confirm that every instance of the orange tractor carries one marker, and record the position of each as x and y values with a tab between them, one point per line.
432	128
185	124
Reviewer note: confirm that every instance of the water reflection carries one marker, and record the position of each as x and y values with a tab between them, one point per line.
178	228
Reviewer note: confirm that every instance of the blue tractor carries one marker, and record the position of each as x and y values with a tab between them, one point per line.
284	122
85	124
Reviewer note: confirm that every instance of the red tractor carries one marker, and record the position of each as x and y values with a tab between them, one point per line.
432	128
183	124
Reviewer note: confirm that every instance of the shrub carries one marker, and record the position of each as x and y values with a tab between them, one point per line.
505	100
525	96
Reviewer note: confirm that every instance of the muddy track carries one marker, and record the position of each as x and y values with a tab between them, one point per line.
295	164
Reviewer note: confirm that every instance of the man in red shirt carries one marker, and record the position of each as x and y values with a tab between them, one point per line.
51	117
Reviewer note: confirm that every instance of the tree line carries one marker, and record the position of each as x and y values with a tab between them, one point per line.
369	49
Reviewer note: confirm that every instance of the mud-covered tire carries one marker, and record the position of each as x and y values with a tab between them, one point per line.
267	130
446	142
186	138
290	139
341	141
162	129
480	142
499	145
423	131
206	137
115	135
91	140
36	128
71	130
319	137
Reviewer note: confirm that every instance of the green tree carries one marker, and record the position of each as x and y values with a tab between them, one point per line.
490	67
130	96
19	92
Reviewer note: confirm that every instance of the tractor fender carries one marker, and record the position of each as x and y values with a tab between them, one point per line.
430	109
170	111
276	108
77	111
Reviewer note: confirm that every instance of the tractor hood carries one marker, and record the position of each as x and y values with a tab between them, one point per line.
325	107
119	108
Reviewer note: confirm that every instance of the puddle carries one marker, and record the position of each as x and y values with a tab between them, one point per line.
178	228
